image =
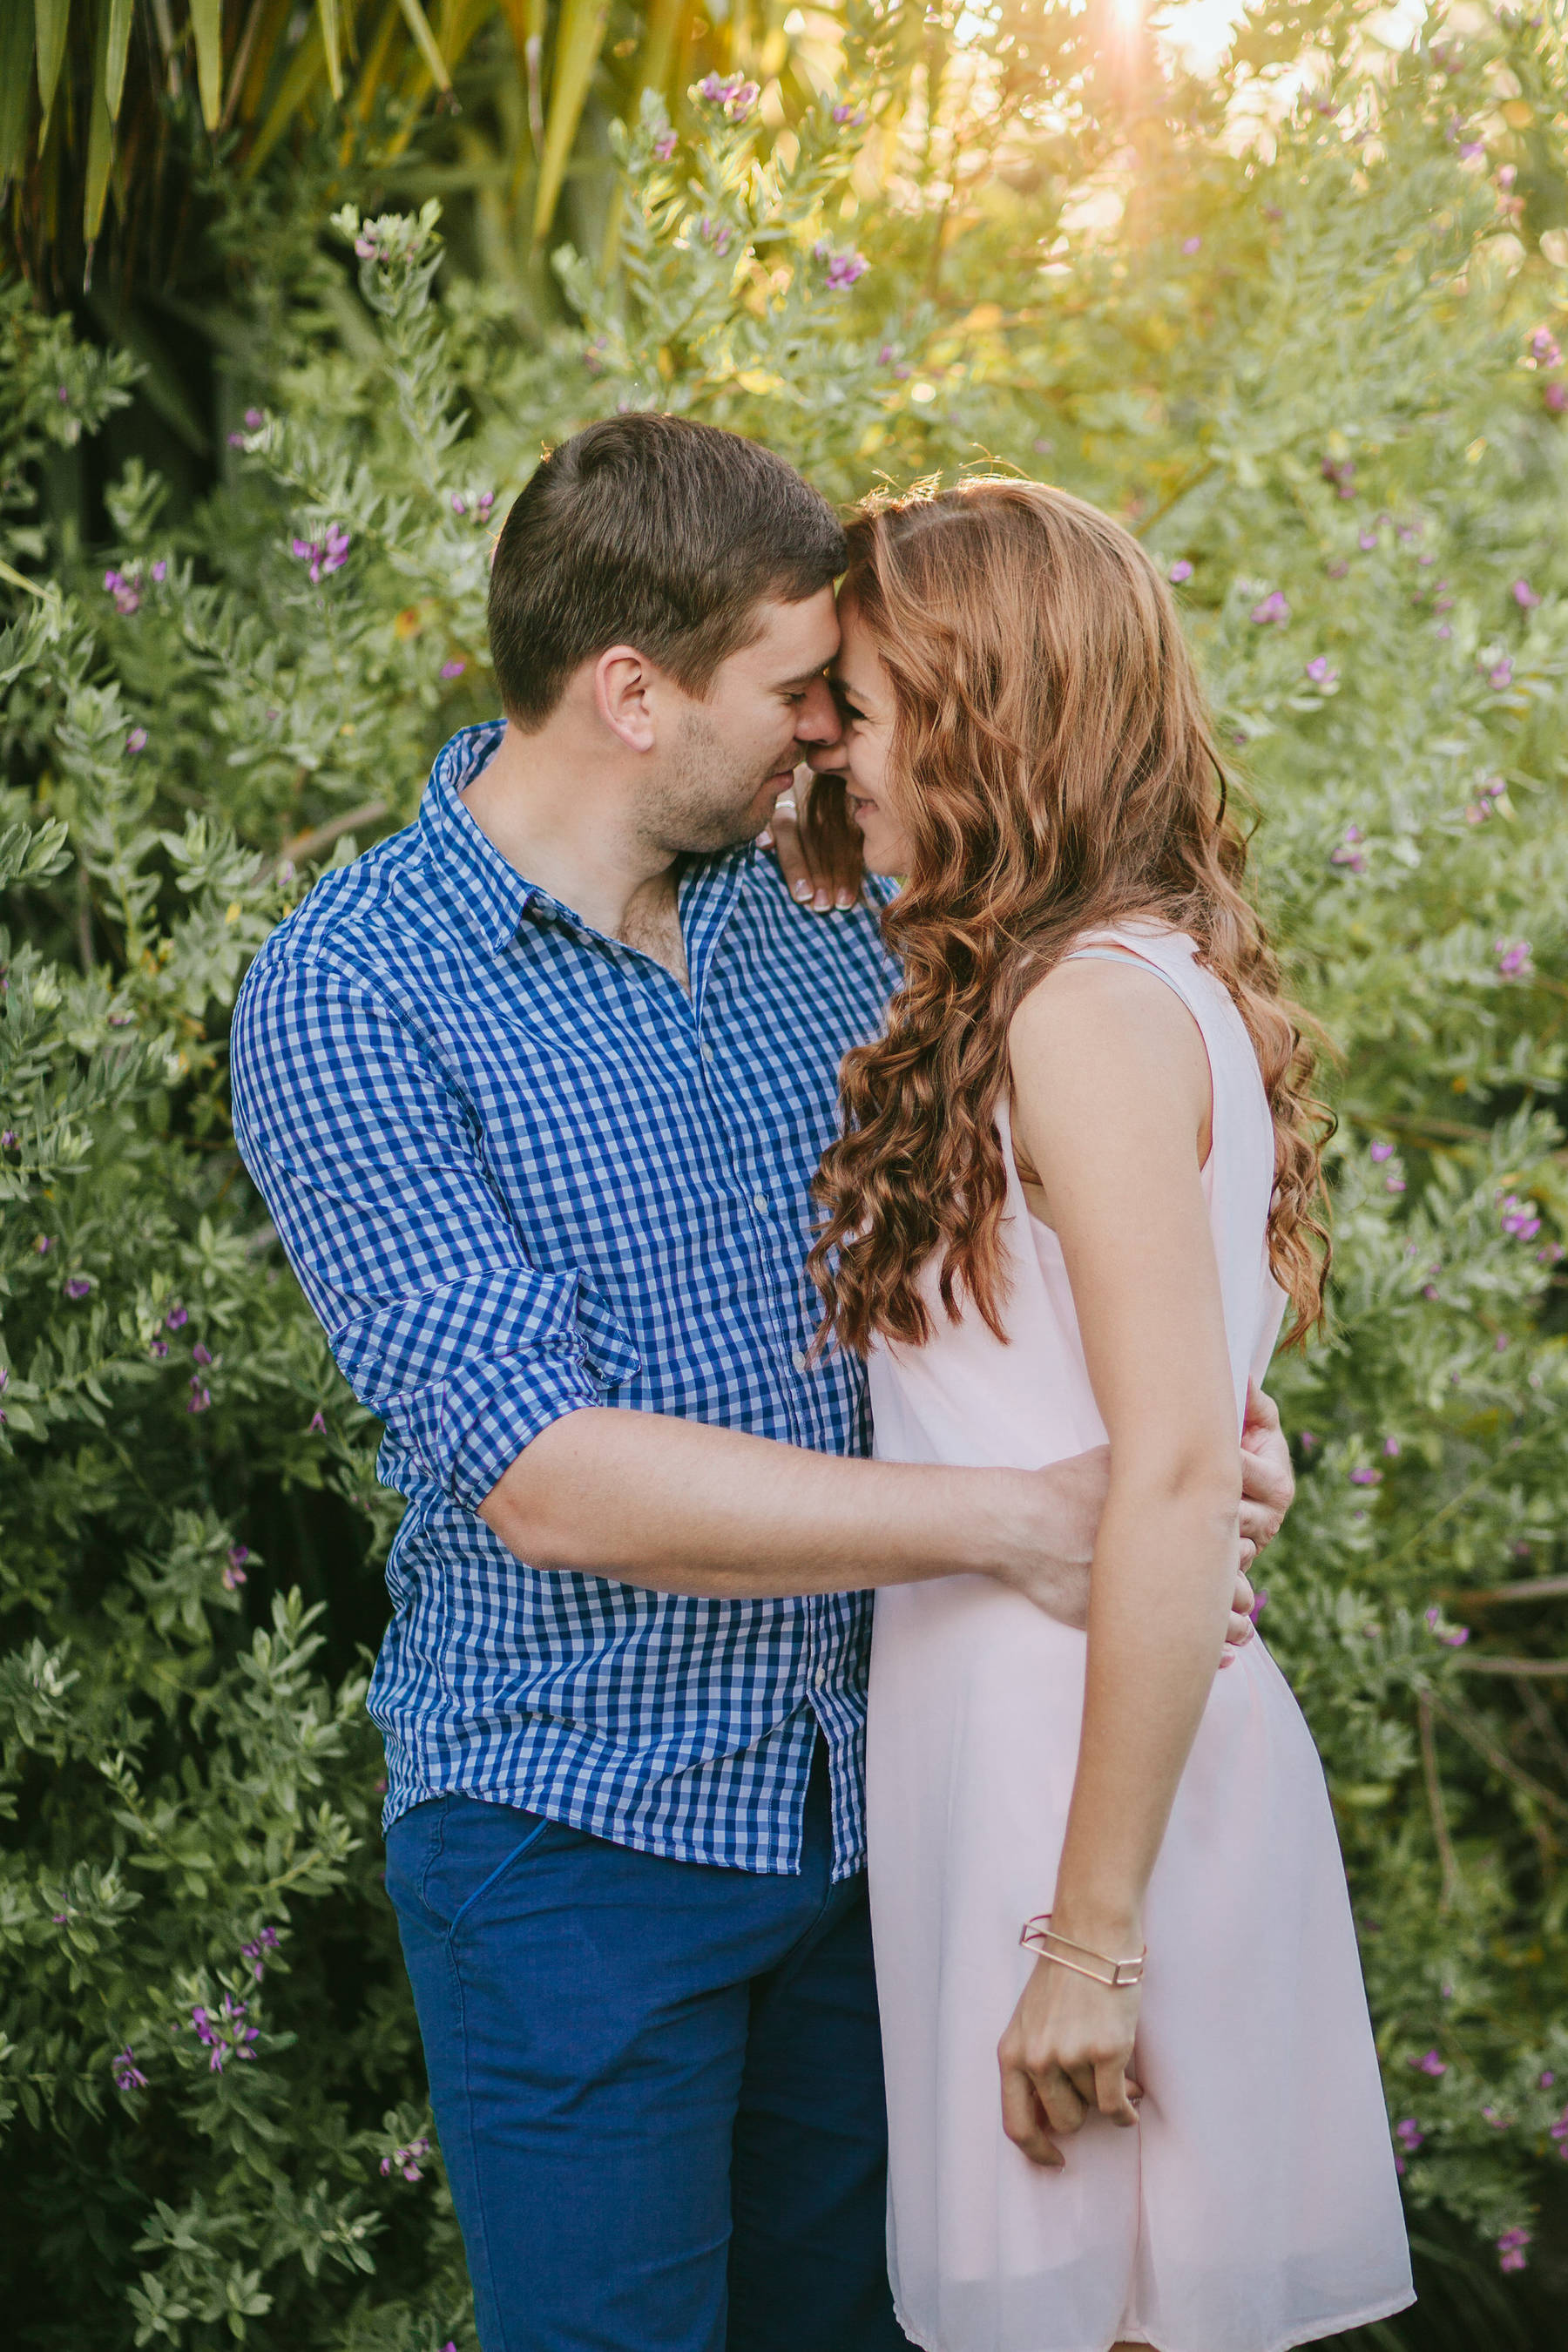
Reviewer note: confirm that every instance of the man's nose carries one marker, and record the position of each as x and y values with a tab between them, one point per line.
817	720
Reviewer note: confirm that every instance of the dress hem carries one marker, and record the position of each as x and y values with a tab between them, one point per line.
1366	2318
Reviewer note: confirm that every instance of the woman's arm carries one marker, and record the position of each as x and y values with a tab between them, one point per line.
1111	1096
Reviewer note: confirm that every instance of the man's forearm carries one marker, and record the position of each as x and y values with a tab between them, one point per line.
680	1506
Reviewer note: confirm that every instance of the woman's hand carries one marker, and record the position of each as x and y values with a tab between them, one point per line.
818	848
1066	2055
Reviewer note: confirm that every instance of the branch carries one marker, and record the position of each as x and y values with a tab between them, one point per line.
305	845
1529	1588
1474	1732
1542	1669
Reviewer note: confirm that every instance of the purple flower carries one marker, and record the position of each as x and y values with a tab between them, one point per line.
128	2075
1349	853
1491	2115
1322	671
77	1285
223	2033
1366	540
487	500
1260	1603
1273	612
1393	1184
1510	2249
177	1318
1179	571
200	1355
1518	1217
44	1245
1382	1151
1513	957
255	419
160	1347
453	668
1543	348
729	90
843	269
160	571
1500	674
406	2160
1308	1441
137	739
1556	398
1409	2134
1546	2082
459	503
125	590
1470	148
1391	1447
1525	596
1337	569
265	1941
322	556
848	117
200	1398
1192	244
9	1139
1430	2065
236	440
664	146
318	1423
1363	1476
367	247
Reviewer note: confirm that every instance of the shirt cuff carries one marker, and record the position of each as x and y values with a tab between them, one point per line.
490	1411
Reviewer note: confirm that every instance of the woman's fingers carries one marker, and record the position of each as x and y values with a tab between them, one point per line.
1022	2121
1064	2109
1112	2089
818	849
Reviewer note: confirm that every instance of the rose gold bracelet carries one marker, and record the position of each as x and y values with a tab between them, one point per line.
1039	1937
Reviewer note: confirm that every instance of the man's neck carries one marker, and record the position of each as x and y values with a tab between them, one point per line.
561	820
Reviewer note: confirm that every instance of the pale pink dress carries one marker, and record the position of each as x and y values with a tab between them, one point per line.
1256	2205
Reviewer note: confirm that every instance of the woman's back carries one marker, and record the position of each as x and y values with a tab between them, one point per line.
1256	2205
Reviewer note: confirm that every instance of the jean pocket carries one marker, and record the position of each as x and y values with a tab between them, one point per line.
479	1844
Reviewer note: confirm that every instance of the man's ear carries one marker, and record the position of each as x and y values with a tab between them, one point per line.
623	683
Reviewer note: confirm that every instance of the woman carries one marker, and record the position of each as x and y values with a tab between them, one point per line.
1078	1185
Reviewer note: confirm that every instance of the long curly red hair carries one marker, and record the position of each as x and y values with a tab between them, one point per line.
1056	768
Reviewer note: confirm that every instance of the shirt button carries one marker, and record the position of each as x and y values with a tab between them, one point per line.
798	1359
819	1675
760	1202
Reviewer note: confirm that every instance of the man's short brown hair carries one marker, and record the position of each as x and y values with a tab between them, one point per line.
650	531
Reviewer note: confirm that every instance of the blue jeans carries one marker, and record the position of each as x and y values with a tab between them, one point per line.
658	2086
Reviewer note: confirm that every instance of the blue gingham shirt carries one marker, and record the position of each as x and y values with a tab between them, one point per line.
519	1170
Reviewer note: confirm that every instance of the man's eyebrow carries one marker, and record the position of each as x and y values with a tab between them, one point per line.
802	678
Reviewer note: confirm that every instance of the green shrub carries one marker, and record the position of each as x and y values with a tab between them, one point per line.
1317	372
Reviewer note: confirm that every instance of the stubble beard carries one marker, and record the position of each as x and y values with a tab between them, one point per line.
707	799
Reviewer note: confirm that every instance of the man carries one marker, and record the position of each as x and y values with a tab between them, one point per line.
535	1091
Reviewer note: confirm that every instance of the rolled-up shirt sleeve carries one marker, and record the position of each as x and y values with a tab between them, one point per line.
369	1161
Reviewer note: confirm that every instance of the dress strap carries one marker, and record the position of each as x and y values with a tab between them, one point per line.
1131	955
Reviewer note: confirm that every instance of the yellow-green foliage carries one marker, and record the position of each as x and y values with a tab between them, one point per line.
1316	366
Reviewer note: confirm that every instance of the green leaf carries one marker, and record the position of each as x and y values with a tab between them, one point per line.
100	124
16	57
419	25
579	37
332	45
50	18
207	24
119	14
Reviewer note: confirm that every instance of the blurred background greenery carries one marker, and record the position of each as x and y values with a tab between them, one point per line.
1286	291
